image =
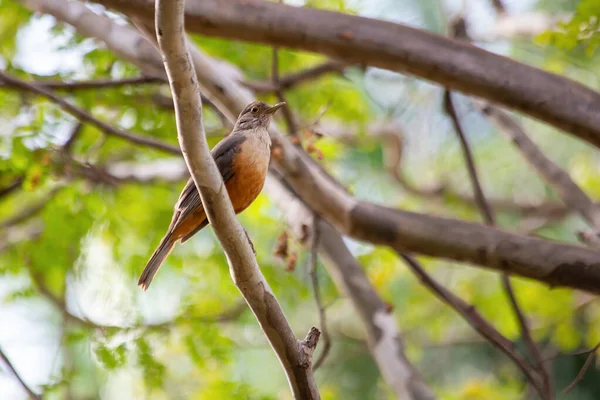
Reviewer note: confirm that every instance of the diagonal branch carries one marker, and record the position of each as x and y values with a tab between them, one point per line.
229	314
29	211
459	66
473	318
291	80
30	392
549	262
480	200
315	285
72	86
75	133
295	356
499	6
545	390
588	362
287	110
87	117
573	196
382	333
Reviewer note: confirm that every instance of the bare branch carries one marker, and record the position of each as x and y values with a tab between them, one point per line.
482	204
291	80
549	262
489	218
473	318
30	392
391	133
16	184
315	285
498	6
588	362
459	66
287	111
72	86
294	356
75	133
86	117
21	233
382	333
29	211
555	176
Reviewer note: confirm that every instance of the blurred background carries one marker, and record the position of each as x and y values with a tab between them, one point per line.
81	212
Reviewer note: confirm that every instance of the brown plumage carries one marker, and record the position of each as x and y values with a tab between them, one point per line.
243	159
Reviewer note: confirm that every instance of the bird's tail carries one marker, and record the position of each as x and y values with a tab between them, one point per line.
158	257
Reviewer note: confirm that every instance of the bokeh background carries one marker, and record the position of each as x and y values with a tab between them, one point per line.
72	244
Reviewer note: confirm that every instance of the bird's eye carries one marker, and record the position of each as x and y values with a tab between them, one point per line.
254	109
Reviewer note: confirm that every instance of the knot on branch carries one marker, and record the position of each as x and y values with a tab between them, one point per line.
308	346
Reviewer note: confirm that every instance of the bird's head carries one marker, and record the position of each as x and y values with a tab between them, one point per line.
256	115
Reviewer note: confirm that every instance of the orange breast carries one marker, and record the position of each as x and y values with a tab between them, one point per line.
250	167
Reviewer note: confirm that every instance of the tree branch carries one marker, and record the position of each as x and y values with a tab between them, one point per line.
459	66
291	80
16	184
86	117
314	248
75	133
498	6
545	391
473	318
382	333
588	362
21	233
484	208
549	262
29	211
72	86
391	134
294	356
573	196
287	111
30	392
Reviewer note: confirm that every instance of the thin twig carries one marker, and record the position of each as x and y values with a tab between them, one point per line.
30	211
84	116
287	111
75	133
30	392
588	362
317	293
573	196
473	318
16	184
295	356
393	149
230	314
489	218
480	200
91	84
23	233
291	80
498	6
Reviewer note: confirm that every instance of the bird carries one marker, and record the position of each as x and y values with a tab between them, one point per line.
242	158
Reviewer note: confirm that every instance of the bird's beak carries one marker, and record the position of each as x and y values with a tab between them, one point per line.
274	108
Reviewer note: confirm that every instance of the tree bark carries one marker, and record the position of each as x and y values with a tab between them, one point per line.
459	66
295	356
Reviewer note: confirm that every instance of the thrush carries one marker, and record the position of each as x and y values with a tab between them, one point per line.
243	160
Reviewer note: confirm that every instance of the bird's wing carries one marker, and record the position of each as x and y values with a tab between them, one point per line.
189	199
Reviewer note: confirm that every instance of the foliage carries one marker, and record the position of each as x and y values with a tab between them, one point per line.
581	32
75	281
